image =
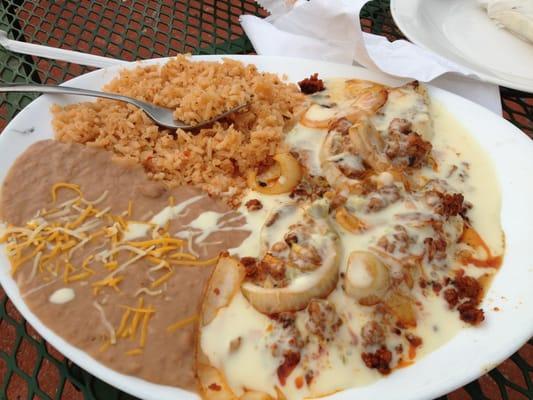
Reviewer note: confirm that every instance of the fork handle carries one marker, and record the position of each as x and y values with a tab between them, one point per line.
23	87
55	53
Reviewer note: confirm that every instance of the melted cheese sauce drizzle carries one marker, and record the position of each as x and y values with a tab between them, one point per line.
341	365
455	145
248	367
62	296
308	141
251	247
138	229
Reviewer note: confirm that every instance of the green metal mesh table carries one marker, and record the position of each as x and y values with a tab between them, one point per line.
135	29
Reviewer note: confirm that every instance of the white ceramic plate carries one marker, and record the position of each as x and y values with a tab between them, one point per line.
470	354
461	31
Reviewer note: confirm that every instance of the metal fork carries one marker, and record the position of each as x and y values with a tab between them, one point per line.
160	115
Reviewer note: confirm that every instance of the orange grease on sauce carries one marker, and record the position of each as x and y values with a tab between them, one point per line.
473	239
299	382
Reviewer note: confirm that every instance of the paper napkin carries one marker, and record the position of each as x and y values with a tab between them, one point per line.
331	31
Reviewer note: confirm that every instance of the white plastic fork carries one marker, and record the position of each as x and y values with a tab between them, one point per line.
54	53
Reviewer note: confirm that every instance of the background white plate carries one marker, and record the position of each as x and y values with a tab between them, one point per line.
461	31
470	354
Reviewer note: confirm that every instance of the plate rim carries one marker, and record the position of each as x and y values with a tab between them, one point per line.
413	37
123	381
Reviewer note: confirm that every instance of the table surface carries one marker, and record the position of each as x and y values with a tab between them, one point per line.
136	29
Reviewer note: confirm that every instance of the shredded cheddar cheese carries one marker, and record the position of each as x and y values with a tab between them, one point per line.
158	261
162	250
144	331
63	185
185	256
111	265
148	292
104	346
85	264
102	212
78	277
136	319
134	352
159	241
47	246
97	234
68	269
111	282
181	323
132	332
197	263
83	216
162	280
148	310
123	322
20	261
68	245
132	319
123	225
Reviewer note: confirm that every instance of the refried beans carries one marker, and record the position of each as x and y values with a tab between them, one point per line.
83	313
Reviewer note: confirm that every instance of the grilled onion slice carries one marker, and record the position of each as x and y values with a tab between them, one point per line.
349	221
358	98
367	278
318	117
402	307
411	103
341	165
308	281
369	97
224	283
290	173
369	145
222	286
296	295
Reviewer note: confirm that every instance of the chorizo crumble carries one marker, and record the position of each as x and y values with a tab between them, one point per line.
469	291
253	205
312	84
379	360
